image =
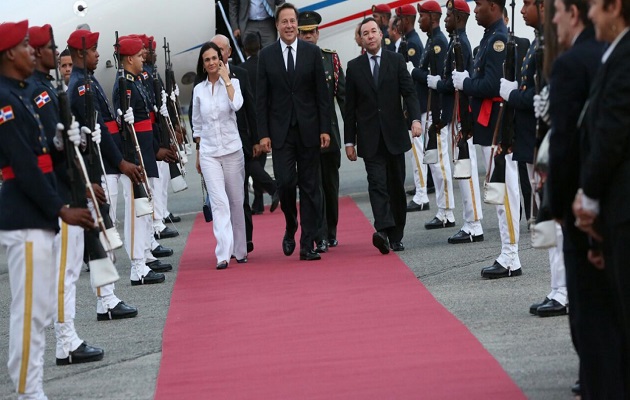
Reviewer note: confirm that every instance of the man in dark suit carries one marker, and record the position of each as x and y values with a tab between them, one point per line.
591	318
374	120
293	113
254	16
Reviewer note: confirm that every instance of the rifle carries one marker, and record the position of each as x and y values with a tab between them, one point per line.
131	147
174	104
168	139
101	266
95	160
462	120
433	104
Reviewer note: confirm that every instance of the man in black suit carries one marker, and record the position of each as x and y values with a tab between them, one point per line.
293	113
374	120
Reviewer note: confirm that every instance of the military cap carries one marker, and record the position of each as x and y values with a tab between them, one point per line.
407	9
91	38
129	45
381	8
429	6
39	36
12	34
308	20
458	5
149	39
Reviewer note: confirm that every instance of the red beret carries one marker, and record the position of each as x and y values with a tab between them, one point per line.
459	5
129	45
146	39
12	34
407	9
74	41
39	36
429	6
381	8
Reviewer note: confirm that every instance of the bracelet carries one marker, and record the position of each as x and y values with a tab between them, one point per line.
228	84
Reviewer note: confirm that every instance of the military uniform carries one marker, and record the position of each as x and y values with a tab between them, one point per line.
414	47
483	89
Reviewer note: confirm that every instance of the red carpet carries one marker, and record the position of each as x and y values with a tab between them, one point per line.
355	325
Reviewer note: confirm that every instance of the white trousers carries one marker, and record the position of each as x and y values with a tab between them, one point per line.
160	196
556	256
419	169
442	176
31	265
224	177
508	213
137	231
112	190
471	196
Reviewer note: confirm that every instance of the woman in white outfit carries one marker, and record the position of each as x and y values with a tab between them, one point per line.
219	152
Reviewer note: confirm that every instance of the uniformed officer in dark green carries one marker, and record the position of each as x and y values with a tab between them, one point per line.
308	22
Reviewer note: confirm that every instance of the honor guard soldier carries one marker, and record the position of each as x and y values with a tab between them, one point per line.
483	88
138	230
308	25
407	15
456	18
108	305
69	242
29	208
382	13
434	54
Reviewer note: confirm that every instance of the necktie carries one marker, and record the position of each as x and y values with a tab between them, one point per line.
267	8
375	70
290	63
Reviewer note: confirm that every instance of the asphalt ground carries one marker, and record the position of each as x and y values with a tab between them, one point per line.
536	352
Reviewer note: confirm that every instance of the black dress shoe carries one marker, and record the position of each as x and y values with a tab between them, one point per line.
222	265
411	192
172	218
275	200
496	271
464	237
397	246
380	241
159	266
551	309
533	309
149	279
322	246
575	389
162	251
413	206
121	311
84	353
310	255
242	260
333	242
250	247
437	223
288	244
166	233
257	212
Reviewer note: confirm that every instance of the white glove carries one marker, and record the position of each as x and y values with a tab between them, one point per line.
410	67
506	88
74	133
155	109
173	97
164	110
96	134
458	79
58	138
128	116
432	81
176	91
541	105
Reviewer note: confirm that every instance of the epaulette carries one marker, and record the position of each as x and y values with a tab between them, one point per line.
329	51
130	77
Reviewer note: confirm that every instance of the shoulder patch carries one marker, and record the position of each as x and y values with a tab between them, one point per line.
81	90
130	77
498	46
437	49
411	52
128	93
328	51
145	75
41	99
6	114
388	41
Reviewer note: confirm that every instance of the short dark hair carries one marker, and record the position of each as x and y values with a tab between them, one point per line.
64	53
252	43
582	7
365	21
201	72
625	9
284	7
500	3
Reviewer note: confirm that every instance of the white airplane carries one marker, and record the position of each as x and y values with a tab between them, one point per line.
187	24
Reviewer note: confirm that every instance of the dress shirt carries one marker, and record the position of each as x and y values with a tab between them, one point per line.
214	118
397	44
257	11
285	52
378	55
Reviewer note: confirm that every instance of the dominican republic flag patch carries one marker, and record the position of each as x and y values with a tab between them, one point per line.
145	75
81	90
6	114
42	99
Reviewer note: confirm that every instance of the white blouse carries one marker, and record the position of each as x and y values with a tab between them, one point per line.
214	118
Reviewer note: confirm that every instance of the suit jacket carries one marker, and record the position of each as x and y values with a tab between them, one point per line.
374	110
251	65
606	171
571	77
306	95
239	12
246	116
